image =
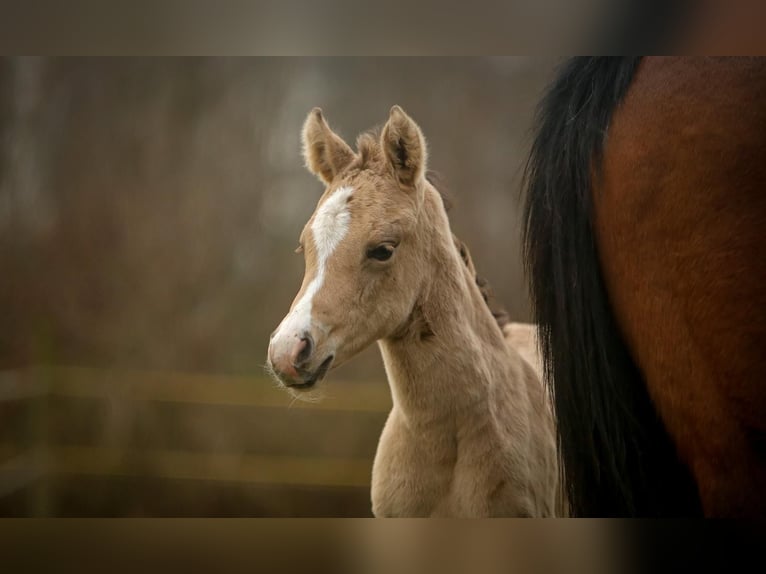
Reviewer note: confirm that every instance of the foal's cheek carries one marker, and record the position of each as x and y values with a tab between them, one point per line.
373	289
365	292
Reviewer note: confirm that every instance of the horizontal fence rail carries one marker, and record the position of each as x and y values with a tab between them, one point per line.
85	441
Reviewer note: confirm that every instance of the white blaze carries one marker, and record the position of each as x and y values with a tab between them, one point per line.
328	229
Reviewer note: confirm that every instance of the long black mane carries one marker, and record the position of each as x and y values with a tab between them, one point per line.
617	457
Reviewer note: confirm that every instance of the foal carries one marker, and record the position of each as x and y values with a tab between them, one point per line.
471	431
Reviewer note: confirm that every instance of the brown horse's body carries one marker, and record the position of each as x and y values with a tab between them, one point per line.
681	227
646	242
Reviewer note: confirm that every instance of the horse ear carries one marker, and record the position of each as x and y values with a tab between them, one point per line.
325	153
405	147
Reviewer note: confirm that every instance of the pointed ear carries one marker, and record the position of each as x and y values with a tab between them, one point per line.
405	147
326	154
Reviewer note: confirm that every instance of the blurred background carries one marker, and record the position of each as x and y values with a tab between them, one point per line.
149	210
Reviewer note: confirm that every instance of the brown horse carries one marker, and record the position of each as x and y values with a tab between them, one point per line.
646	247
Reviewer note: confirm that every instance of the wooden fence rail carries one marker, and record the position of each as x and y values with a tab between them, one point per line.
94	442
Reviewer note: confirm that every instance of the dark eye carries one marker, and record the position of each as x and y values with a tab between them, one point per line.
381	252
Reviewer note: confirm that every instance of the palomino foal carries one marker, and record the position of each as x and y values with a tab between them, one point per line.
471	431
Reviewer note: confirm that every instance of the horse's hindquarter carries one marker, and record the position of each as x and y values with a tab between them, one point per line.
524	419
522	337
681	227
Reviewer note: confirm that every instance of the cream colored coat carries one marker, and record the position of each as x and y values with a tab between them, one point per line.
471	431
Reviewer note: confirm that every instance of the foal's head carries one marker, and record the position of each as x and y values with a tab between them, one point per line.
364	247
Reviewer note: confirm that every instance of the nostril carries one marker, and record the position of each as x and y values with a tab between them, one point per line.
305	348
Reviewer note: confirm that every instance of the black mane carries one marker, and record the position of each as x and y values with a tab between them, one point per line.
616	455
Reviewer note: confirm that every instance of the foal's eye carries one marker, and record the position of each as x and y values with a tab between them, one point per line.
381	252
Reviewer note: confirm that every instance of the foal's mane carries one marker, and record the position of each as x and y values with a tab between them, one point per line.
498	312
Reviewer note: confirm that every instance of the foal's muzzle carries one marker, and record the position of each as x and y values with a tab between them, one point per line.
294	362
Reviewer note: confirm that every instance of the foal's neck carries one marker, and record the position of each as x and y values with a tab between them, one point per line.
442	362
